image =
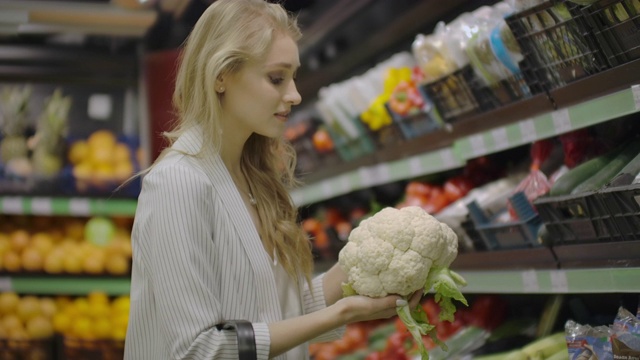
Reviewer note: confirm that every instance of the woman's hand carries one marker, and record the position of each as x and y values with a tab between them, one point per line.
362	308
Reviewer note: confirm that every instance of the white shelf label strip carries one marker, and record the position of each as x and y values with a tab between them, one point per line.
500	139
12	205
561	121
6	284
530	281
79	207
478	146
41	206
415	166
528	131
635	89
448	160
559	283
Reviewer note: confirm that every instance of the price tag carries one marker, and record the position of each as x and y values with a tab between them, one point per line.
415	166
477	145
559	283
327	189
448	160
41	206
561	121
366	176
382	174
635	89
5	284
79	207
528	131
500	138
345	184
12	205
530	281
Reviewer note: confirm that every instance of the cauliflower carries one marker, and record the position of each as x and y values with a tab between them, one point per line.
400	251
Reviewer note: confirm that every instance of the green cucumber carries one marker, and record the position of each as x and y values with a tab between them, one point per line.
568	181
627	174
604	175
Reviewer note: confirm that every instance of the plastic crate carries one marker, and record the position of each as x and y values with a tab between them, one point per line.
557	42
84	349
458	94
510	90
415	125
350	148
522	233
623	203
579	218
27	349
616	26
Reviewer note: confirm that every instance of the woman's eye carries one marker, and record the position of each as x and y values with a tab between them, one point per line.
276	80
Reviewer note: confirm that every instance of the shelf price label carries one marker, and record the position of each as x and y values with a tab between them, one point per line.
327	189
500	138
635	89
41	206
79	207
5	284
530	281
478	146
559	283
528	131
12	205
415	166
448	160
561	121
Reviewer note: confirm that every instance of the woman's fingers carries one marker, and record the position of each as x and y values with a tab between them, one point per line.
415	298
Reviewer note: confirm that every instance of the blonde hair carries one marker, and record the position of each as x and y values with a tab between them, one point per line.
227	35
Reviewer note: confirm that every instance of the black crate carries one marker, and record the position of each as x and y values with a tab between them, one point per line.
520	233
26	349
459	93
616	26
623	203
579	218
557	42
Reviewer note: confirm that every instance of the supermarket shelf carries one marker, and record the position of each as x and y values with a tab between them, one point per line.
73	206
64	285
378	174
559	281
516	133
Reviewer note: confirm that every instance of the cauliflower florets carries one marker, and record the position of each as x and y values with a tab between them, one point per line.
393	251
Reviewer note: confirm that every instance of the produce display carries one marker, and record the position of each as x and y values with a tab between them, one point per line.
401	252
97	246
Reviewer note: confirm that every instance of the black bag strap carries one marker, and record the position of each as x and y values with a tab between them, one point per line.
246	338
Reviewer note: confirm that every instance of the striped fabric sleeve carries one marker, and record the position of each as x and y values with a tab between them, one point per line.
180	247
314	301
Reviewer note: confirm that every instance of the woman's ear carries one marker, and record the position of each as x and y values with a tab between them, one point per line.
220	84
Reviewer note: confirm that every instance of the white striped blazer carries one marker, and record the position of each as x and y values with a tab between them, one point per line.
198	261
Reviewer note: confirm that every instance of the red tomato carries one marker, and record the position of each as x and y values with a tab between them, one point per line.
418	188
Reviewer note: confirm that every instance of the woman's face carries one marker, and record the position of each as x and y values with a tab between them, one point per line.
258	98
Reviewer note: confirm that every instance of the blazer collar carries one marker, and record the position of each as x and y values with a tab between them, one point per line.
212	164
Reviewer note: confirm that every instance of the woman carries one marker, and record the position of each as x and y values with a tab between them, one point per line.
215	235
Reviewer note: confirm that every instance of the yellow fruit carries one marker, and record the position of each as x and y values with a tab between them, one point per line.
32	259
48	307
102	328
19	240
117	265
83	171
82	328
122	170
28	308
121	305
119	334
99	311
11	261
54	263
102	139
11	322
98	297
100	156
121	153
78	152
61	323
8	303
72	264
39	327
5	244
93	264
42	242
